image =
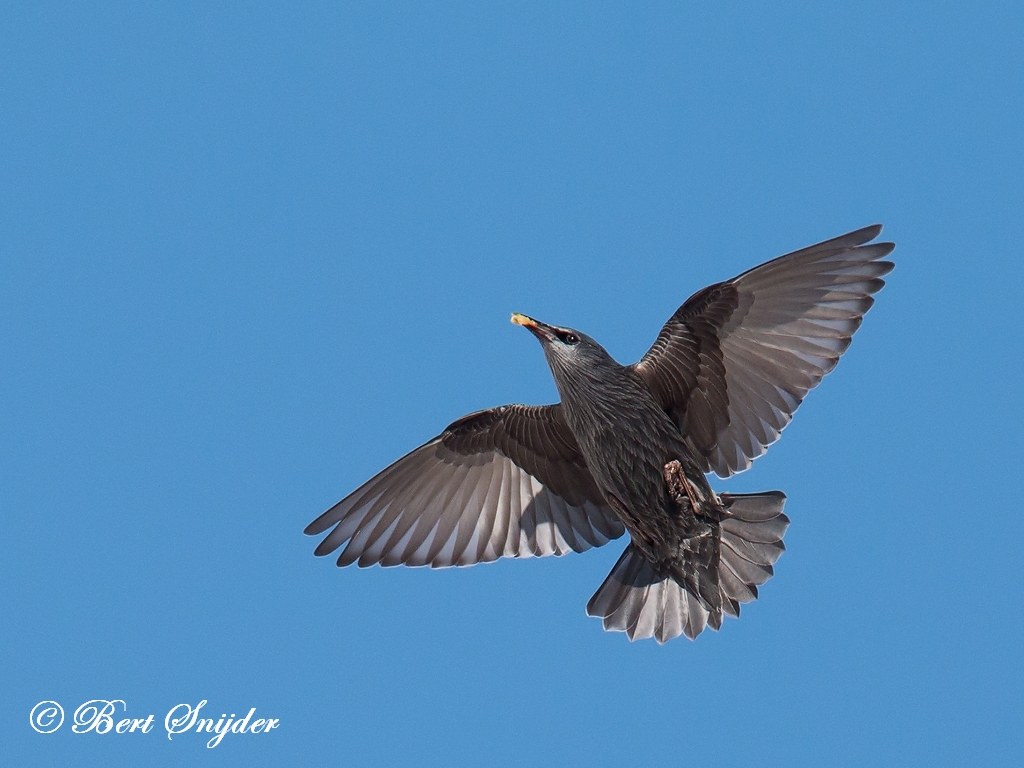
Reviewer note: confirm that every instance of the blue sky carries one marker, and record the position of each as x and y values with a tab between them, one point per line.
252	253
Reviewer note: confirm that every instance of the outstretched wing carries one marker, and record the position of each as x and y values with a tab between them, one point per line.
506	482
734	362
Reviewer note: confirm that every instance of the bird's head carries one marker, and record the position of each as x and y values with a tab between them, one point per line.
571	354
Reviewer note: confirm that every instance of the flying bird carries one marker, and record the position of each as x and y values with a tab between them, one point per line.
628	448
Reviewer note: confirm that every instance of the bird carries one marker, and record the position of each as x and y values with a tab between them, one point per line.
628	449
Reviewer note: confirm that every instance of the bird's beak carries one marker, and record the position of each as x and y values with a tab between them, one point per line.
538	329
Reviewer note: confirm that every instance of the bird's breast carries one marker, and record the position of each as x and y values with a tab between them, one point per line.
627	439
626	446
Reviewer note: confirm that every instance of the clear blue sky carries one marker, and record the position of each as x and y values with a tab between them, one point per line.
251	253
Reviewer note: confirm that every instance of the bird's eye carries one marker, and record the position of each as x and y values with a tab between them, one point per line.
571	338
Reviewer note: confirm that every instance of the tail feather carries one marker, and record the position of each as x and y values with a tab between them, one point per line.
752	529
637	599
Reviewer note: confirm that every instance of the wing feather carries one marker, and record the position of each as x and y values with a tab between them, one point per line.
508	481
735	361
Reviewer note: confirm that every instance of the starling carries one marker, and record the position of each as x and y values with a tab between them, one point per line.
628	448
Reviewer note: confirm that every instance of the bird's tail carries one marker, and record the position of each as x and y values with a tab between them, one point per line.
639	600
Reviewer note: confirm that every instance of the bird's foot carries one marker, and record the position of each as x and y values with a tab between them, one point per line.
679	485
675	480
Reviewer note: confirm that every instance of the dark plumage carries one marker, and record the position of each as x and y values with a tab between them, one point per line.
628	447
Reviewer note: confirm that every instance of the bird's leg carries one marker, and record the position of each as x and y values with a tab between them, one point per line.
678	484
680	492
673	473
698	545
690	502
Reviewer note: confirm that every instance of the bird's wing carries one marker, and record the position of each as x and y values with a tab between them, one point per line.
734	362
506	482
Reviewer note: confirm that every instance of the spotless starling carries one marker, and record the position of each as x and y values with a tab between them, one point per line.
628	449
